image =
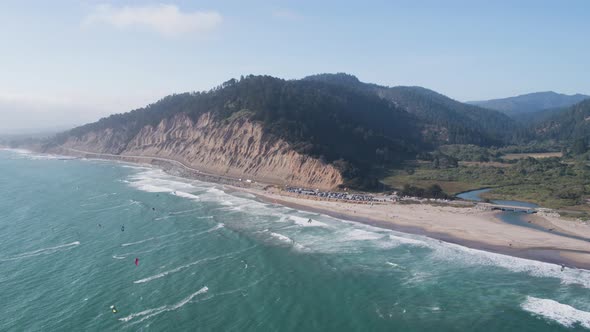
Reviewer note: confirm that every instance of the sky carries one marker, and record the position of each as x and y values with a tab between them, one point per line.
64	63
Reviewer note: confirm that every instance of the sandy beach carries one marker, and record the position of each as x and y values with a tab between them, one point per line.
461	225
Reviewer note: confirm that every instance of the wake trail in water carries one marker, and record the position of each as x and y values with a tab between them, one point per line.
156	311
99	196
113	207
138	242
182	212
43	251
212	229
185	266
149	239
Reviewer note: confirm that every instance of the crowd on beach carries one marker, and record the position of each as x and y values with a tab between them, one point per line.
363	198
339	195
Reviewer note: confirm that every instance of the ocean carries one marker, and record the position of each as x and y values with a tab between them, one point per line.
208	260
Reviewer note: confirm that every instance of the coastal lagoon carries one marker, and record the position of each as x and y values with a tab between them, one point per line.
71	230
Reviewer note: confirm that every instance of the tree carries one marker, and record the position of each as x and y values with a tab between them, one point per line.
579	147
435	191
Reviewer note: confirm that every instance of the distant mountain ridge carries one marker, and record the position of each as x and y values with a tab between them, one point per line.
531	102
448	121
570	124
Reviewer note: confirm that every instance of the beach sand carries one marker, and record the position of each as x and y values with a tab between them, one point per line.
461	225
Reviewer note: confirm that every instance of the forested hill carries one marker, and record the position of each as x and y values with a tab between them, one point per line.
531	103
334	119
352	129
448	121
568	125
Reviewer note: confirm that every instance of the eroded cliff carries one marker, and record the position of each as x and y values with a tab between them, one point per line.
236	147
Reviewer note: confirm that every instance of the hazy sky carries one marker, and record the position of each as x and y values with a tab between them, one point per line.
70	62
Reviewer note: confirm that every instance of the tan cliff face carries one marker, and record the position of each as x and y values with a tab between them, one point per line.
236	147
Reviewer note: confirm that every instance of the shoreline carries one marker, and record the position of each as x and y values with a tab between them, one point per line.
573	258
444	223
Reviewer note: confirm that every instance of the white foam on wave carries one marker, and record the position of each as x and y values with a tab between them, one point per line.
43	251
216	191
150	188
563	314
185	195
37	156
219	196
305	222
407	240
464	255
281	238
136	167
154	180
392	264
156	311
362	235
449	252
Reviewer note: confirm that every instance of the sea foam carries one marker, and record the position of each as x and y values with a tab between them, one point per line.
305	222
563	314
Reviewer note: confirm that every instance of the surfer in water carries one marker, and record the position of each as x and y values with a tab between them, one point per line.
562	267
136	261
122	228
113	309
309	221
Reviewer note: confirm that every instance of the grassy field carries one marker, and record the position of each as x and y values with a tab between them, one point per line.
398	180
513	156
548	182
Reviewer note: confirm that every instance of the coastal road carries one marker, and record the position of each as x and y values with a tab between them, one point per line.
172	161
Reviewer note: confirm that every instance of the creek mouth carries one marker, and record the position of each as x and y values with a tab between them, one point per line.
515	218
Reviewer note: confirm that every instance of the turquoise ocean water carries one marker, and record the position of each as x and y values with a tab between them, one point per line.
70	231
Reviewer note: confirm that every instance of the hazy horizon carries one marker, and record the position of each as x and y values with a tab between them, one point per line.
66	64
